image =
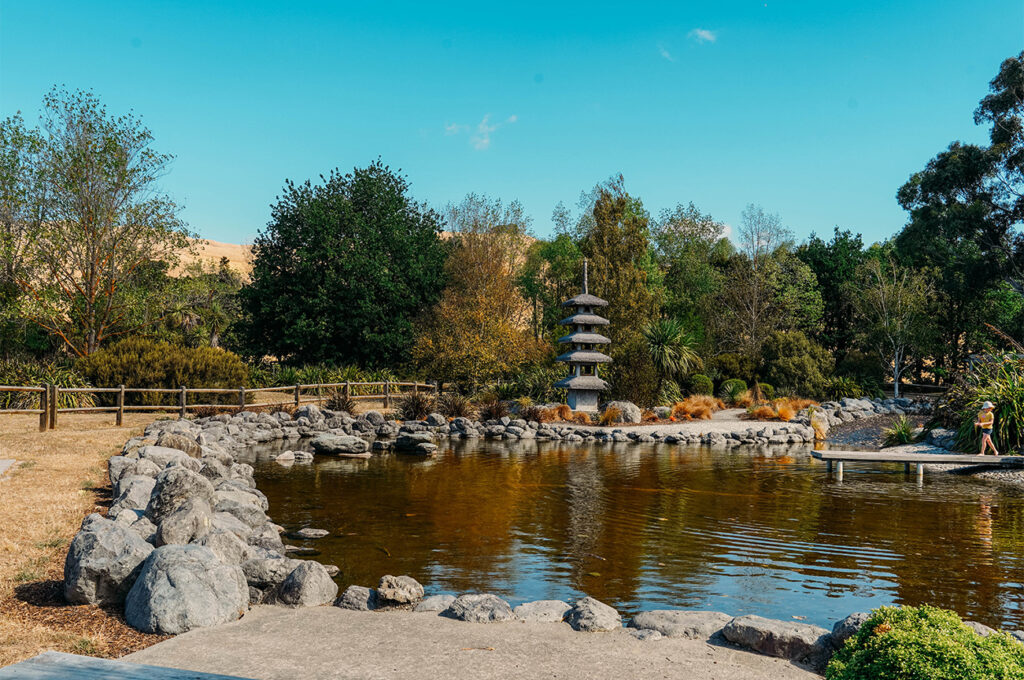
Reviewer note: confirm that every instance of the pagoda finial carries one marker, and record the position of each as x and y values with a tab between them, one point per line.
585	276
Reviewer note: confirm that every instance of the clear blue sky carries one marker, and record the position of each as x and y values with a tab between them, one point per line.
816	110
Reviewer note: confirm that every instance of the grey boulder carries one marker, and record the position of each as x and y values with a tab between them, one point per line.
188	523
162	455
848	627
103	561
173	487
479	608
182	587
628	411
228	547
590	615
171	440
340	445
542	611
399	590
693	625
308	533
357	598
435	603
800	642
308	585
132	492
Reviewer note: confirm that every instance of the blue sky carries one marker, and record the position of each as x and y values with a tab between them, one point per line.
815	110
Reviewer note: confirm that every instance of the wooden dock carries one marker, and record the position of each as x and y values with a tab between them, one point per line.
917	459
57	665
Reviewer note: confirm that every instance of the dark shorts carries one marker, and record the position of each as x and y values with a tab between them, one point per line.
988	432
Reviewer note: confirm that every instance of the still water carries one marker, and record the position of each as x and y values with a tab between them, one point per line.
657	526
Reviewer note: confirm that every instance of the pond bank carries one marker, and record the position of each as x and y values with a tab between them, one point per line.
328	642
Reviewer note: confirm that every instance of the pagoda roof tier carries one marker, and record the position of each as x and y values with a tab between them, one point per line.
582	382
585	320
585	300
586	356
585	338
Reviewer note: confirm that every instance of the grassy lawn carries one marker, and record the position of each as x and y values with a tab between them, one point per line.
60	478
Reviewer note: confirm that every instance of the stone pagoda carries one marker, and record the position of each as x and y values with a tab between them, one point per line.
584	383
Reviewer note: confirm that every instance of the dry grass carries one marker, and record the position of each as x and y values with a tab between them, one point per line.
610	415
61	478
784	409
563	412
581	418
696	407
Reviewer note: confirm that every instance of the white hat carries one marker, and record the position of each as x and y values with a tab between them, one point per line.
988	404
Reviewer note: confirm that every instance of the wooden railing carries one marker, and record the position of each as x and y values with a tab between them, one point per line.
49	397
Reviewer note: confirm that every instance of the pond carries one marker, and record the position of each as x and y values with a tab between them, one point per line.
657	526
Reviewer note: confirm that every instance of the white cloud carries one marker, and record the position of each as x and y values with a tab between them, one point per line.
481	138
703	35
665	54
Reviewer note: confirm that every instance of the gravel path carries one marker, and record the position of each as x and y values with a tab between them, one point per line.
328	642
724	421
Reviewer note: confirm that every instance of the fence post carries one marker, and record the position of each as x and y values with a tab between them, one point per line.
296	396
120	406
241	398
387	394
54	403
44	408
181	402
348	389
415	386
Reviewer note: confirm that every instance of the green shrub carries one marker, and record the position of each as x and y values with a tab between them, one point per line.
701	384
999	379
841	387
924	643
730	390
30	373
767	390
733	364
141	362
416	406
670	393
900	432
794	363
339	401
455	406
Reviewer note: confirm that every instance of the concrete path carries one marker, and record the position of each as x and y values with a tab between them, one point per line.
328	642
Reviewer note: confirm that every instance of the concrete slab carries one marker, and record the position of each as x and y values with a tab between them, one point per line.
271	643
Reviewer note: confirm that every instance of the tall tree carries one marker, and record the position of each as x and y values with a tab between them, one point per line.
102	218
892	301
617	242
691	246
342	270
550	275
835	266
479	331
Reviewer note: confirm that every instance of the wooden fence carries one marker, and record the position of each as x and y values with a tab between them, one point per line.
49	397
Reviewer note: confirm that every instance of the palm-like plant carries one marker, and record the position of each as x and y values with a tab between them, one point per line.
671	348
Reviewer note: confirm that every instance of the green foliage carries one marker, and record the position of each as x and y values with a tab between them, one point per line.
672	349
767	390
733	365
491	407
342	270
455	405
701	384
900	432
550	275
339	401
835	265
670	393
415	406
730	390
924	643
140	362
841	387
30	373
794	363
999	379
633	376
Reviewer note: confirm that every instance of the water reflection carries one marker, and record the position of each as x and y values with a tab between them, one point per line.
642	527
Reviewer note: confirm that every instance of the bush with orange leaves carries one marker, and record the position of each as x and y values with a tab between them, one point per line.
610	416
581	418
696	407
780	409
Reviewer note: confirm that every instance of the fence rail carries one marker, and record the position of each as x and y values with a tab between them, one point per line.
49	397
